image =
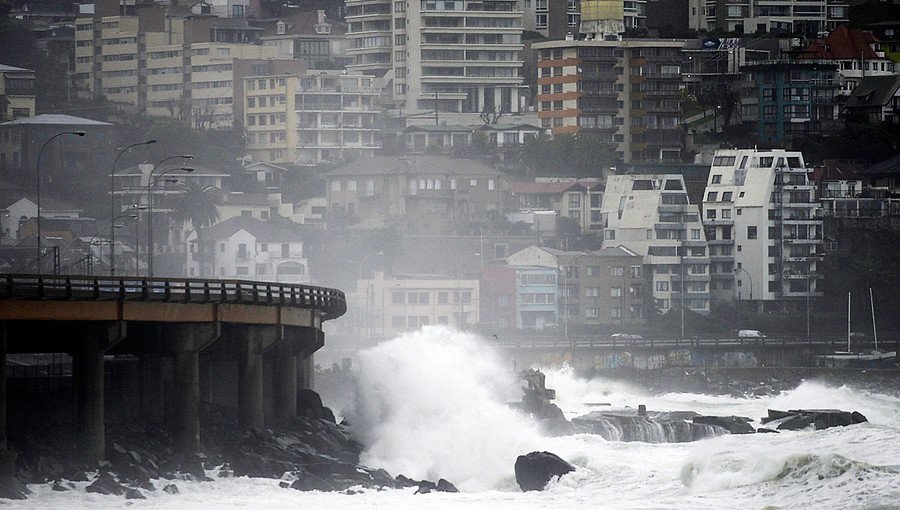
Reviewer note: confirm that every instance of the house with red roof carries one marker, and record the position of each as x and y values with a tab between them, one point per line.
858	54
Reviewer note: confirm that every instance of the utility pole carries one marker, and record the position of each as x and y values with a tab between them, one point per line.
435	108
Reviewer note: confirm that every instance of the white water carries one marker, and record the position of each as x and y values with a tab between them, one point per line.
432	404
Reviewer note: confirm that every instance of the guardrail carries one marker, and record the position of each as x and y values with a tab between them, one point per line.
590	342
330	302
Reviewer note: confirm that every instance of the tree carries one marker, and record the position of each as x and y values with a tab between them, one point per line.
197	205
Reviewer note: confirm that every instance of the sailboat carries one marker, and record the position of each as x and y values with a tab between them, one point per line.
863	359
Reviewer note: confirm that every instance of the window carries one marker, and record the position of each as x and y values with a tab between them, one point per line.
710	214
717	179
335	185
473	183
443	298
751	232
618	271
398	298
726	196
635	271
662	286
712	196
398	321
695	233
615	292
491	184
726	214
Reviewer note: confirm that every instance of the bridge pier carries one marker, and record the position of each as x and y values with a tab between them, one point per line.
185	342
151	388
7	458
285	386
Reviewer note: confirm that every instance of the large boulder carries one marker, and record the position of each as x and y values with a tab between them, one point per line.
733	424
535	469
799	419
309	405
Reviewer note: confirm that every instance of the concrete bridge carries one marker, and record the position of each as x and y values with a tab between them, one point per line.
258	336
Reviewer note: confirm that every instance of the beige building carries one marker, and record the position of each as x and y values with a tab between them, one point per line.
626	92
319	117
162	64
386	307
17	96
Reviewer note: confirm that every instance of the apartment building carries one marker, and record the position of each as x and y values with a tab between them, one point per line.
576	199
165	65
652	216
387	307
857	53
807	18
790	98
627	92
595	288
309	37
763	228
452	56
417	194
17	95
318	117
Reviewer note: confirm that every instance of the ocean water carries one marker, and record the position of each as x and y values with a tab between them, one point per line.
432	404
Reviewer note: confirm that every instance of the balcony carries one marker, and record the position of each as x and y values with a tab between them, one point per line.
801	240
718	222
719	241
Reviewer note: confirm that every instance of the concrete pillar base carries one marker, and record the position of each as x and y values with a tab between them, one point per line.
89	379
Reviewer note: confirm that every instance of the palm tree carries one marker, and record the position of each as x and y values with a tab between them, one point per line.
196	205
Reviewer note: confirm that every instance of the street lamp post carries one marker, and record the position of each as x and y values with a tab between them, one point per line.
367	297
459	267
150	186
749	279
112	203
39	231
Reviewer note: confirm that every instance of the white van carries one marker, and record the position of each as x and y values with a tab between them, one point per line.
750	333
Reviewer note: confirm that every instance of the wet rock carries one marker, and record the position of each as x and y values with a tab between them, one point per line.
58	487
12	488
766	431
799	419
445	486
134	494
733	424
425	487
106	485
284	485
171	489
311	482
404	481
654	427
309	405
535	469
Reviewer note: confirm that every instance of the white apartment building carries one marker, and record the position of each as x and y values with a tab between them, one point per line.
385	307
808	17
652	216
246	248
763	227
453	56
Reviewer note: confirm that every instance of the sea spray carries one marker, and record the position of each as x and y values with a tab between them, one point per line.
432	403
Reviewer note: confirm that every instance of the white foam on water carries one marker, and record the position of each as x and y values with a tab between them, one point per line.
433	404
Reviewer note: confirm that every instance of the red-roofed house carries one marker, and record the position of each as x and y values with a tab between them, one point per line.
858	54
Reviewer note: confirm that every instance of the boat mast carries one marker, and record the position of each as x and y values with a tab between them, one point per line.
874	329
848	321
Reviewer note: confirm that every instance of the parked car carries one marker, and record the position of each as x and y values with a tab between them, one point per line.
625	336
750	333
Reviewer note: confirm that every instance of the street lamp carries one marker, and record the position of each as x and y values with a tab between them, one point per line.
150	187
459	267
112	202
368	296
132	213
749	279
40	153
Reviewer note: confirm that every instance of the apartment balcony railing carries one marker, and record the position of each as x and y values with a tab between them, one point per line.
862	207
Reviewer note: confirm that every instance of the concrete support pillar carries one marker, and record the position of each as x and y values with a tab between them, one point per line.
306	371
250	381
3	344
151	388
186	388
89	377
285	381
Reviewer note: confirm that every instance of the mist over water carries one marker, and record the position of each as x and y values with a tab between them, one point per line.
432	404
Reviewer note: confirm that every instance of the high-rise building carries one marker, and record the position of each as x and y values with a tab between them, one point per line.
452	56
162	64
652	216
763	228
627	92
769	16
322	116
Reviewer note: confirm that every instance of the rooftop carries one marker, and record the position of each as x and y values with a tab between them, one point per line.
874	91
274	231
55	119
842	44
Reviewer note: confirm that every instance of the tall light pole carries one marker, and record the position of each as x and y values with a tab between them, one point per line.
459	267
150	187
367	297
112	204
39	231
749	279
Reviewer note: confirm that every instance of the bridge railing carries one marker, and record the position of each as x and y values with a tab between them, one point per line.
605	341
330	302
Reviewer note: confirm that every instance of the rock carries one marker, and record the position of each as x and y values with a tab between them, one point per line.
58	487
733	424
171	489
309	405
311	482
535	469
766	431
403	481
106	485
445	486
799	419
134	494
12	488
425	487
284	485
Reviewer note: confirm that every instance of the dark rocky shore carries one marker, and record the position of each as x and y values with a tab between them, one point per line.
311	452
